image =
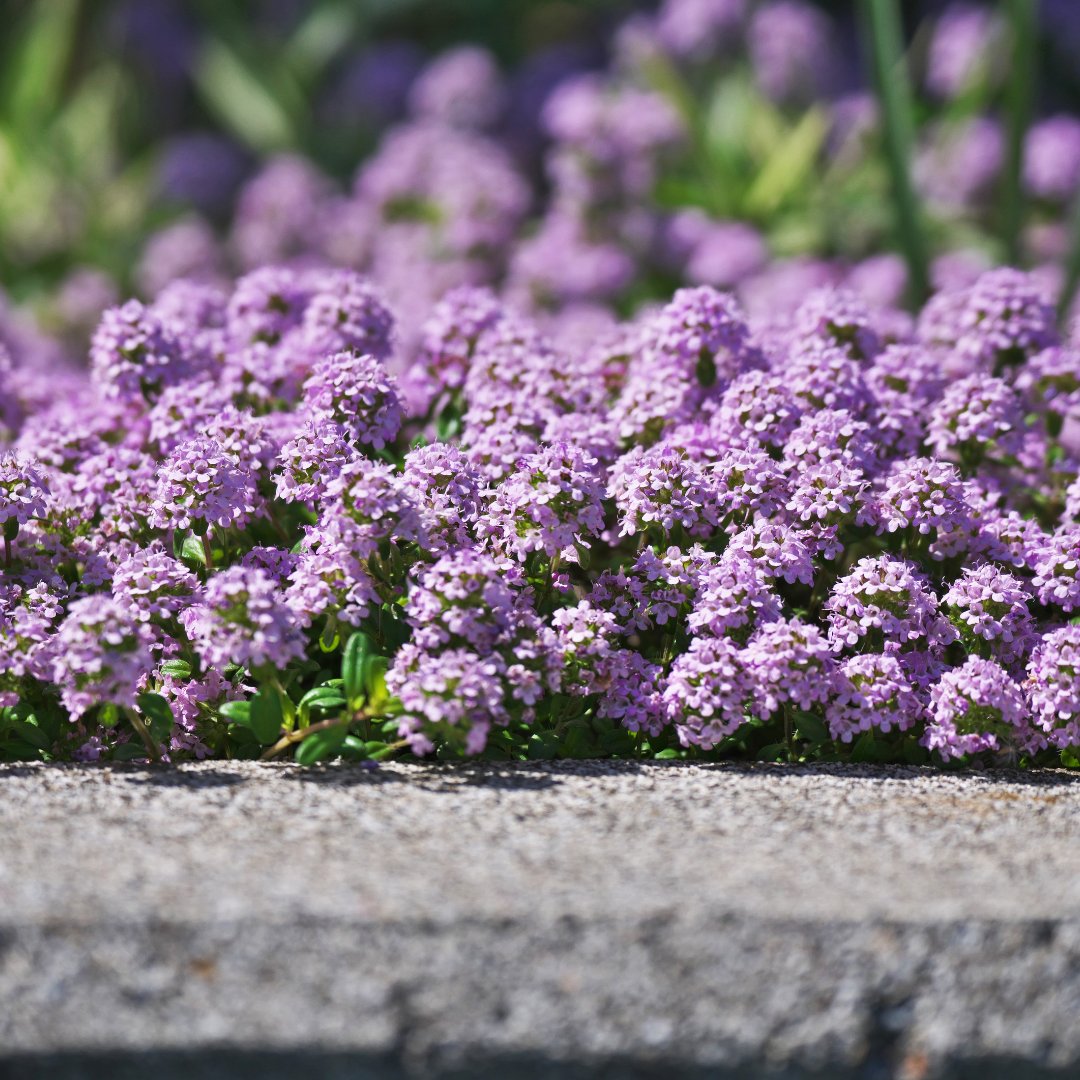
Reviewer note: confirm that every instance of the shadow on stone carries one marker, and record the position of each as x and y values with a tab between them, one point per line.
318	1065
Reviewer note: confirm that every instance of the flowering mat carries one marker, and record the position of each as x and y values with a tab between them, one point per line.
839	536
896	921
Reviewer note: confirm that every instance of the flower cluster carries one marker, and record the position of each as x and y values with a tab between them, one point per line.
678	535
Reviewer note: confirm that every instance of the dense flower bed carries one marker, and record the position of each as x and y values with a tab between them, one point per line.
837	533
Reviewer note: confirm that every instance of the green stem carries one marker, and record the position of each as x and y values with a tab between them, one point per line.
1072	268
207	552
789	733
894	92
140	730
1019	93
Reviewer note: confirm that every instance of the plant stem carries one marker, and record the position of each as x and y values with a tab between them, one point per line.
140	728
1072	268
894	92
1018	98
789	734
207	552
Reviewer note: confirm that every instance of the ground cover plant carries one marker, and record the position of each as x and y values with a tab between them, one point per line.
823	539
439	467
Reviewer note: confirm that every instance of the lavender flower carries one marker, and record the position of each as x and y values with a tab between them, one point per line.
976	416
1055	579
905	380
151	586
830	435
461	601
551	503
1052	158
450	337
707	691
445	489
663	487
1050	381
923	494
790	49
960	49
890	599
1053	687
988	605
871	691
837	317
733	599
827	497
346	312
778	549
243	619
371	495
99	654
757	405
462	88
748	484
330	576
973	708
355	393
312	458
822	376
23	489
200	482
698	27
788	662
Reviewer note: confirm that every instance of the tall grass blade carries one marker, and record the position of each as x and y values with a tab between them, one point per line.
1019	92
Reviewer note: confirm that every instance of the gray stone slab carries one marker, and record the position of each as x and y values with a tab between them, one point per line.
892	922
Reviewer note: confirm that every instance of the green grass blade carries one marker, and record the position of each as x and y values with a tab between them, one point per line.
35	79
894	93
1019	92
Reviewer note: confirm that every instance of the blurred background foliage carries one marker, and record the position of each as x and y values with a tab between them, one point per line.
117	116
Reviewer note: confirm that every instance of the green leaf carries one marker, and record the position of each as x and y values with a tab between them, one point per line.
668	755
322	745
329	638
236	712
178	669
321	693
375	681
108	715
868	749
37	70
130	750
266	716
379	751
789	167
543	746
193	551
240	100
17	750
617	742
772	752
1069	758
914	754
357	649
354	749
32	734
575	743
811	728
159	715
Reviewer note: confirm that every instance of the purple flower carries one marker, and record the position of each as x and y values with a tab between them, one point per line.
837	317
330	576
707	691
1055	579
748	484
822	376
551	502
445	489
788	661
790	48
692	350
830	435
973	708
698	27
1050	380
733	598
200	482
243	619
890	599
825	498
356	394
100	654
132	355
757	406
1053	685
346	313
988	605
871	690
310	460
904	380
450	337
663	487
1052	158
461	601
960	49
372	495
23	489
1013	540
462	88
924	494
728	253
151	586
975	416
777	548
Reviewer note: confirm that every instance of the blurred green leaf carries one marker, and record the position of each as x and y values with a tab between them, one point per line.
241	101
790	165
266	716
323	744
35	76
320	37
